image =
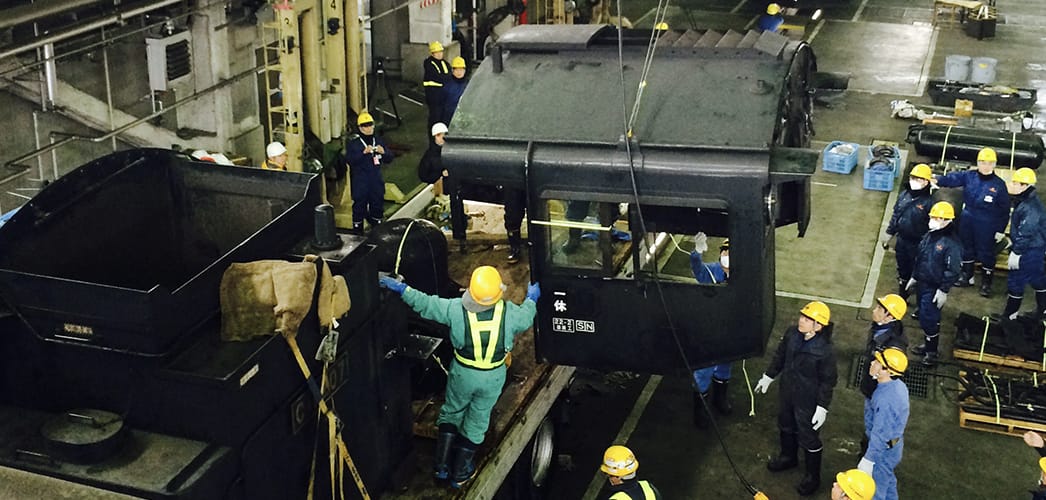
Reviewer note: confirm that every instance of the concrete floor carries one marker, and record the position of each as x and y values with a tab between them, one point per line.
891	49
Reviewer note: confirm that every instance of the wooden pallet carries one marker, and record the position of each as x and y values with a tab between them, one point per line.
995	359
988	423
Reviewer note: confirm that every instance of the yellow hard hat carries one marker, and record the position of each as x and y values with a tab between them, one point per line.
619	461
893	359
435	47
662	26
1042	464
894	305
773	9
486	286
922	171
364	117
1024	175
986	154
457	62
857	484
817	311
942	210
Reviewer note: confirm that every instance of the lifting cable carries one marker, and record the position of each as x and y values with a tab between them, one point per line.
627	122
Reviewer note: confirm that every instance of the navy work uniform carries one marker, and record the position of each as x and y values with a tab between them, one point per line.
911	214
436	74
808	377
986	206
368	185
936	268
1028	232
711	273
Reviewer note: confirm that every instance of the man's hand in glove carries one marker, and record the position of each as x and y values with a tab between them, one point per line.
911	283
820	415
939	298
700	243
1013	263
999	237
392	284
763	384
533	292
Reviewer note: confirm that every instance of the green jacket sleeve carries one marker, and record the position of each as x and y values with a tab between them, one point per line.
431	307
518	318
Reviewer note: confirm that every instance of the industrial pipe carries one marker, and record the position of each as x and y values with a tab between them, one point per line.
963	143
311	79
21	14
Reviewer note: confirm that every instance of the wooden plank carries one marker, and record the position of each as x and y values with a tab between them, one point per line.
1002	425
994	359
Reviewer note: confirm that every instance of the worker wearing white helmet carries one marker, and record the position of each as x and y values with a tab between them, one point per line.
276	157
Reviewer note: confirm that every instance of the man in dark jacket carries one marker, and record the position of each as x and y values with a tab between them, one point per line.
436	72
806	364
1028	232
620	466
909	223
886	331
365	154
985	210
453	87
936	268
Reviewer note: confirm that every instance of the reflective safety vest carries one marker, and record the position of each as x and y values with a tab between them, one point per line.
441	70
484	347
648	493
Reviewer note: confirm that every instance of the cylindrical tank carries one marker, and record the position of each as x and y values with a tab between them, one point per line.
963	143
982	69
417	250
957	67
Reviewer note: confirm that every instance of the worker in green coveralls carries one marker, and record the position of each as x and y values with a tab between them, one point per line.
483	327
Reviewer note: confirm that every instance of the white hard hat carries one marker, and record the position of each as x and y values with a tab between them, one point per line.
274	149
439	128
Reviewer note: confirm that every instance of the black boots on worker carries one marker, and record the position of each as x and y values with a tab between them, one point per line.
812	479
720	399
789	457
444	441
515	246
1013	304
928	350
464	466
902	288
986	281
966	276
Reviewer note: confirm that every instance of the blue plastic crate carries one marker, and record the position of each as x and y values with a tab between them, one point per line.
880	176
840	164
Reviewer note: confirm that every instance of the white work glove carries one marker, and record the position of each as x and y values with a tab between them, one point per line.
911	283
866	465
763	384
1013	263
939	298
700	242
820	415
999	237
884	240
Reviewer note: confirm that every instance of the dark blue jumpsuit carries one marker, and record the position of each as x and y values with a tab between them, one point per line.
709	274
452	90
368	186
986	206
437	72
808	377
936	268
911	216
770	22
1028	232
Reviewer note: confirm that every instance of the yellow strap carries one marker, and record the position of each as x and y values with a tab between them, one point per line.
1013	149
648	492
432	84
984	338
995	393
1035	379
399	251
332	449
480	359
331	417
748	385
1043	349
944	148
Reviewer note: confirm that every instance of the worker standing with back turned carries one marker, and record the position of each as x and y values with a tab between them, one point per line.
483	327
436	72
620	466
1028	232
985	210
805	363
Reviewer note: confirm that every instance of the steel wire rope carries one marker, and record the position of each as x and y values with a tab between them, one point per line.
627	136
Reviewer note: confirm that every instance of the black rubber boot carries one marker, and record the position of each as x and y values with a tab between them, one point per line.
919	350
812	480
357	228
720	398
445	439
966	276
700	417
1040	304
573	241
902	288
1013	304
789	457
464	467
930	351
463	247
986	281
515	244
